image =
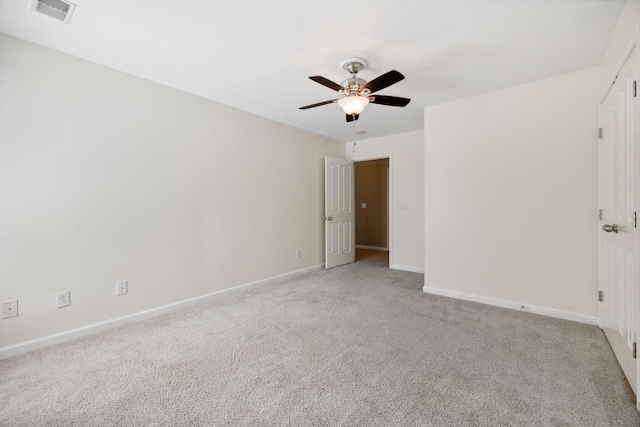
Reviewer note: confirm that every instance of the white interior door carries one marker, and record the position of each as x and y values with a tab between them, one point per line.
339	200
618	233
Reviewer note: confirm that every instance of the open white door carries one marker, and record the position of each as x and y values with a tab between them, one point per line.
618	232
339	217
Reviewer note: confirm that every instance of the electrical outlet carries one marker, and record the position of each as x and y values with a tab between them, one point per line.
298	253
63	299
121	287
9	309
404	205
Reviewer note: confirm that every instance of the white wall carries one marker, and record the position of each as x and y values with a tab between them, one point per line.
406	149
511	195
106	177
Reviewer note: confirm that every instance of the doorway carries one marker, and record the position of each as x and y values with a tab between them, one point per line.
373	208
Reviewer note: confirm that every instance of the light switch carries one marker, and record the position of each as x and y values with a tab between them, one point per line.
363	205
404	205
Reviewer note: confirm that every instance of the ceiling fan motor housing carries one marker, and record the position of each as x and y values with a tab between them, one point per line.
353	85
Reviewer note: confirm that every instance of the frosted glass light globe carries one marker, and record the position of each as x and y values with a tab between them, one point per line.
353	104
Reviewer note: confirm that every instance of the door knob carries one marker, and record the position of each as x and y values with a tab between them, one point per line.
328	218
609	228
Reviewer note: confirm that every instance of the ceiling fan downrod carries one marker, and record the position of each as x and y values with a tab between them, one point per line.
354	85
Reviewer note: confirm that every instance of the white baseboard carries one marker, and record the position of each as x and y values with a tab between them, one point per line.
536	309
49	340
406	268
374	248
608	324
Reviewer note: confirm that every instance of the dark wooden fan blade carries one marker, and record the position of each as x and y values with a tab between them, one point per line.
383	81
351	118
394	101
328	83
306	107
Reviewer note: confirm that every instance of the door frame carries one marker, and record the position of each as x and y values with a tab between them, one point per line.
357	159
634	44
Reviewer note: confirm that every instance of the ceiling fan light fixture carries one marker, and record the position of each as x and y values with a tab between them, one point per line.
358	92
353	104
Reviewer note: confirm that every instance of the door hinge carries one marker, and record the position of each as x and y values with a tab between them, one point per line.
635	220
600	214
635	352
600	133
601	296
634	89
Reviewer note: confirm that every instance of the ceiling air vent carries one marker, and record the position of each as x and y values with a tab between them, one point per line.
57	9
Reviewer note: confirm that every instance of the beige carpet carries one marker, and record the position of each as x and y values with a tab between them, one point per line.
358	345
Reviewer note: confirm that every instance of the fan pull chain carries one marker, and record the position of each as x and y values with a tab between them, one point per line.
355	133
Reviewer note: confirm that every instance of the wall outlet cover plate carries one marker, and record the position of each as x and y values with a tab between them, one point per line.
10	309
122	287
63	299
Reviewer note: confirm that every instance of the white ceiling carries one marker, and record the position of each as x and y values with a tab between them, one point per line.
256	55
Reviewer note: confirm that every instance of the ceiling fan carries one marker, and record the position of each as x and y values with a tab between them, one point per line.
359	93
